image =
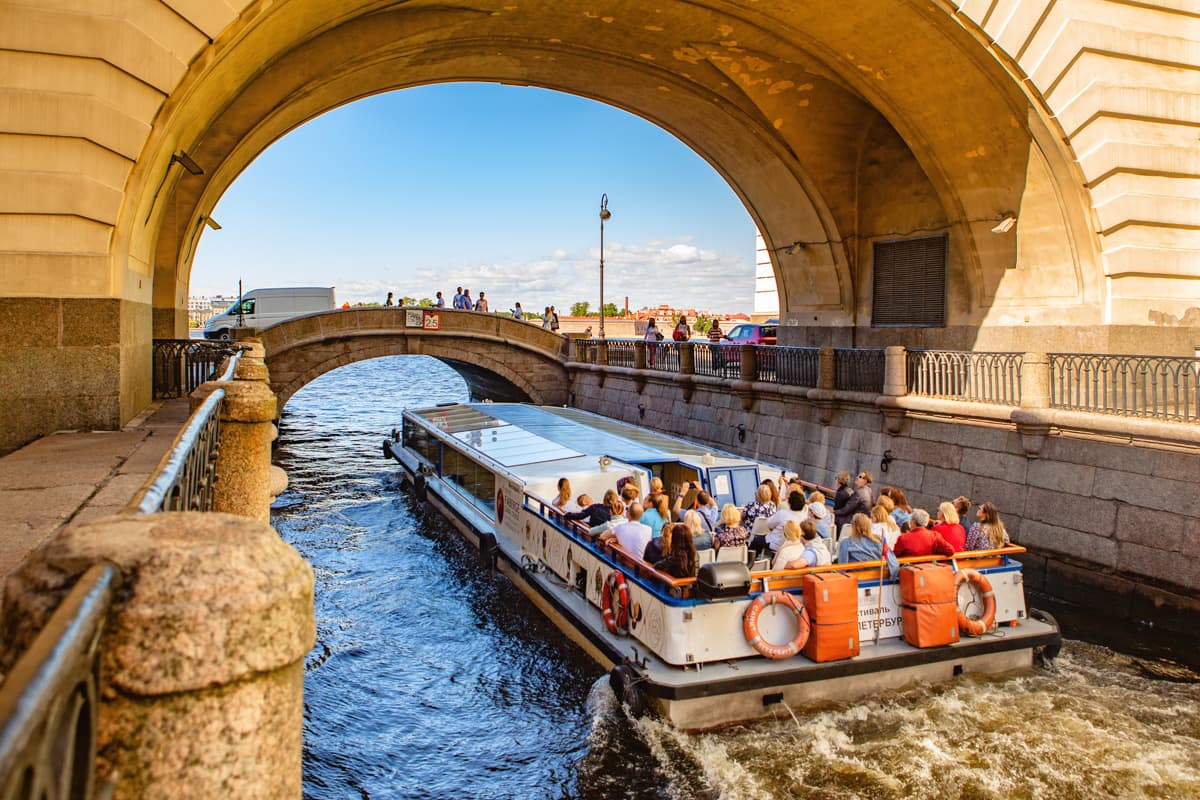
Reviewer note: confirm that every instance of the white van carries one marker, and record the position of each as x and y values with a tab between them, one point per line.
265	307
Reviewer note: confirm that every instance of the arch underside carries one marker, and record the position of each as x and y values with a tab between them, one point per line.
832	135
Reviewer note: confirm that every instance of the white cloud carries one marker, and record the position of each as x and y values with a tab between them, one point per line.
650	274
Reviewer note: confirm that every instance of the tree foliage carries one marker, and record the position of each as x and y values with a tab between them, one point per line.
580	309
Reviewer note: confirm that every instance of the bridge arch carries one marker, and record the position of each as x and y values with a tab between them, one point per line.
500	358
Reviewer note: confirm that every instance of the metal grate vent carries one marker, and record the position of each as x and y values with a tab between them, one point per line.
910	283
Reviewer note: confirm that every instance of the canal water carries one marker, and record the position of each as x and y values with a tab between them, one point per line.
433	679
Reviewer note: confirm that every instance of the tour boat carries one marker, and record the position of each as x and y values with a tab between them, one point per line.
738	641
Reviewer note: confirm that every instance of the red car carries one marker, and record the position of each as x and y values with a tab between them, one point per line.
752	334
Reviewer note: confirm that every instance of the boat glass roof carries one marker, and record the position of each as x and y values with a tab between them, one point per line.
512	434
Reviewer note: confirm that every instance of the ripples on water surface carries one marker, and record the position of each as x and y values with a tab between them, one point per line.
433	679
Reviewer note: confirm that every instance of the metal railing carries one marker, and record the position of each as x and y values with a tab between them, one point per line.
662	356
716	360
1154	387
620	353
180	365
962	375
185	477
587	351
858	370
49	700
788	366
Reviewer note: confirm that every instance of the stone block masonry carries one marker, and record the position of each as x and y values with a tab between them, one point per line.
1097	515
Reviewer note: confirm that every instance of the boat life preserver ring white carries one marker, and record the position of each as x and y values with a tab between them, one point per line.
615	589
750	624
977	627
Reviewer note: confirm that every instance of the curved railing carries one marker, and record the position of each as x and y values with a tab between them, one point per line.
49	700
180	365
1155	387
963	375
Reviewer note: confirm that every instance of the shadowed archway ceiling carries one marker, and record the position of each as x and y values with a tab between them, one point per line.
835	122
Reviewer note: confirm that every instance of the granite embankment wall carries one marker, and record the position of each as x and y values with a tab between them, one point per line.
1111	522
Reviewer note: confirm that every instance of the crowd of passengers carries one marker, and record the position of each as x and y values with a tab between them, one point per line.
794	533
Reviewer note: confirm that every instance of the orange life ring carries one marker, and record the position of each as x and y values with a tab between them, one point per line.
617	621
977	627
750	624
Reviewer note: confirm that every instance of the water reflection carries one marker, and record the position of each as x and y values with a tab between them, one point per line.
432	678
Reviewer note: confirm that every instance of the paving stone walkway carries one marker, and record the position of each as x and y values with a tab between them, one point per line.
75	476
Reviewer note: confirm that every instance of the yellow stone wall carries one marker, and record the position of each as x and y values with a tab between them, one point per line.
837	123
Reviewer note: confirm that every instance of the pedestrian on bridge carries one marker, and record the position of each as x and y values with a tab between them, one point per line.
457	302
517	313
389	302
440	302
481	304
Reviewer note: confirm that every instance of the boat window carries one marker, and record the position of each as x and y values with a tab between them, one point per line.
735	485
418	439
477	482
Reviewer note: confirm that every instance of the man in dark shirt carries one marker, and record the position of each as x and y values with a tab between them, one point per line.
921	541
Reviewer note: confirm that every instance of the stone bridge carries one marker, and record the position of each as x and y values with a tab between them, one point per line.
500	358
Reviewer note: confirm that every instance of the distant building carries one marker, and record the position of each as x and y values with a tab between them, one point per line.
766	293
201	309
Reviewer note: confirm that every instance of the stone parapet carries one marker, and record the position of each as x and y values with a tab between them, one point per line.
202	657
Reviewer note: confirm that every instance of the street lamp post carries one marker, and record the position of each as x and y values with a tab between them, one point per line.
604	216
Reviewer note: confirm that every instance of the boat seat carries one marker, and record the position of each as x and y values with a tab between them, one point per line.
760	565
706	556
733	553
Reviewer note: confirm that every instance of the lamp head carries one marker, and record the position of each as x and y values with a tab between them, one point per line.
605	215
1007	220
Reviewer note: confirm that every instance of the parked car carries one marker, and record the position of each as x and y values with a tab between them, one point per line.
749	333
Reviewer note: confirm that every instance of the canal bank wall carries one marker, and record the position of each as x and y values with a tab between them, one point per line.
1108	515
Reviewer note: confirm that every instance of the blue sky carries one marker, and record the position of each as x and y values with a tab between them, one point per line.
492	187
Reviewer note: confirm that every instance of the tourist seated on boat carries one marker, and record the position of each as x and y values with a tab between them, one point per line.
632	534
901	511
863	544
948	526
819	513
882	523
615	518
962	504
920	540
681	560
656	486
706	507
563	502
802	547
697	526
761	507
776	497
629	489
988	532
659	546
860	501
596	514
842	492
731	532
657	513
793	513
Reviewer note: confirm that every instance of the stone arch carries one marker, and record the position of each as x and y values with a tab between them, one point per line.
736	85
500	358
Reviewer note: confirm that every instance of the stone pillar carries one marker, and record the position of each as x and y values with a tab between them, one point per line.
687	358
639	355
202	656
827	372
602	352
243	477
895	371
1035	380
748	354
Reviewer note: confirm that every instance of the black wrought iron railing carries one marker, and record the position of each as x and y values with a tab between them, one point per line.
717	360
49	701
180	365
662	356
621	353
788	366
978	377
1155	387
858	370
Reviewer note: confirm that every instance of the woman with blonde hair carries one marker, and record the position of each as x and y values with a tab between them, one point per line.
819	513
731	532
988	533
699	531
863	544
883	525
657	514
949	528
761	507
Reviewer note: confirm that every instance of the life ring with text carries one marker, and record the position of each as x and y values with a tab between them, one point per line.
615	593
755	639
977	627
